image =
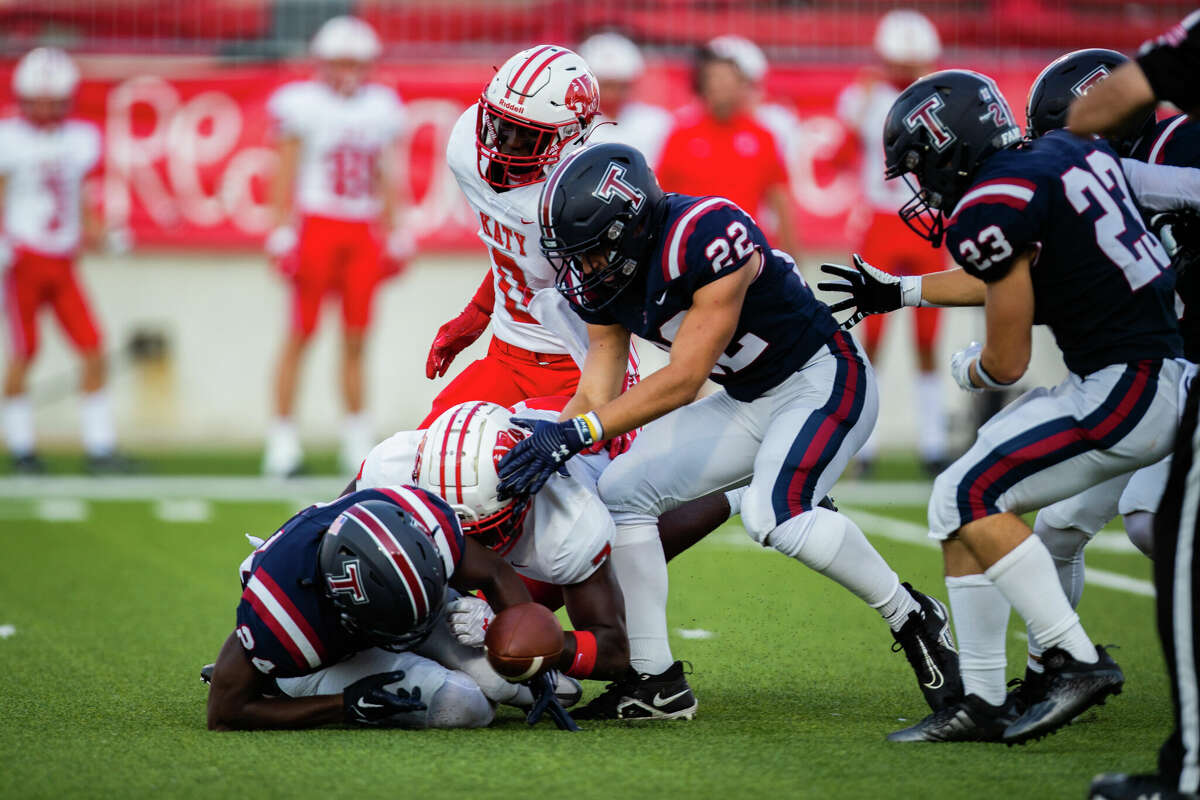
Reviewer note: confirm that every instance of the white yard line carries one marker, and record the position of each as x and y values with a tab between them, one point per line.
182	510
60	509
240	488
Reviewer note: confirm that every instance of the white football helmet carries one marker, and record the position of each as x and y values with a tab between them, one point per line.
612	57
45	73
457	461
539	106
745	55
907	37
345	38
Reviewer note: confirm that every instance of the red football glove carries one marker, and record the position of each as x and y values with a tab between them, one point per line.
452	337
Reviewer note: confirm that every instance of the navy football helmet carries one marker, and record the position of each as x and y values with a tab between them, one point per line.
383	574
940	130
1072	76
597	215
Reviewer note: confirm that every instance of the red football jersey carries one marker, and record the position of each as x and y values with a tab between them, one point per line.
736	159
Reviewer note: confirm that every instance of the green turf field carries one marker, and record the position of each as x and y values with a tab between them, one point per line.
109	608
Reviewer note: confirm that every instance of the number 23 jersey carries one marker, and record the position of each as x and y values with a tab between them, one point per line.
1101	281
703	239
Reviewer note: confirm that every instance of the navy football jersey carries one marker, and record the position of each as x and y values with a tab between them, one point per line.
1101	281
284	620
1176	143
703	239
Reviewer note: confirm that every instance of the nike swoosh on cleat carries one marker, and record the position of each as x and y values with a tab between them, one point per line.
362	703
937	679
659	701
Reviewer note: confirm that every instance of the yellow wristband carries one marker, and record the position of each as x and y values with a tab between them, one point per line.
593	425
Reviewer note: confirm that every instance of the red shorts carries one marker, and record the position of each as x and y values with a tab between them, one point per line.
335	256
35	280
507	375
890	245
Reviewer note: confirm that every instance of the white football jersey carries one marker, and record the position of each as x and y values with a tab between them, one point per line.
509	230
639	125
341	142
864	109
568	531
44	170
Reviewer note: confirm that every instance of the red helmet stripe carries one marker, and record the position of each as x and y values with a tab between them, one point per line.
398	558
458	452
442	460
528	61
538	71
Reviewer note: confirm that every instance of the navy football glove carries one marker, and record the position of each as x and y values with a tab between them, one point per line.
526	467
367	702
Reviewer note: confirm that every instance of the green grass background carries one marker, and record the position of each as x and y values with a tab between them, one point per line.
114	615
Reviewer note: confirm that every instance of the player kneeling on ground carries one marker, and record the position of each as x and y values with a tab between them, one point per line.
697	276
342	620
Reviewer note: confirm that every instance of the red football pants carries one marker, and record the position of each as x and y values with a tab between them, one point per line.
507	375
335	257
35	280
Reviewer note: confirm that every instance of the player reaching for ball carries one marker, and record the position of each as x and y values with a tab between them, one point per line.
341	619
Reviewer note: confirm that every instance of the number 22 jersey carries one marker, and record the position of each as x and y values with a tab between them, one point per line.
1101	281
702	239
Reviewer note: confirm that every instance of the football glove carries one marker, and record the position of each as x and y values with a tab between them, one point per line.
960	366
526	467
545	701
368	702
469	618
281	241
453	337
870	290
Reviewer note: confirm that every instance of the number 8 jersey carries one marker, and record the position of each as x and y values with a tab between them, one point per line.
1101	281
703	239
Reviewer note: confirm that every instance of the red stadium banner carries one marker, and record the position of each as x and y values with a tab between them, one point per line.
188	157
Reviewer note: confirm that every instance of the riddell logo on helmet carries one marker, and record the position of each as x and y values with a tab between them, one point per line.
925	116
514	107
1089	82
583	97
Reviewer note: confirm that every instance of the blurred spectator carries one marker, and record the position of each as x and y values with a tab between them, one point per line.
617	65
44	159
335	210
908	46
718	147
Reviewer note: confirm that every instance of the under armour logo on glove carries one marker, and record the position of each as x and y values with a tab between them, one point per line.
368	702
527	467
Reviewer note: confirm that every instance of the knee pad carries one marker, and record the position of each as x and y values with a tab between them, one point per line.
813	538
758	516
944	516
624	487
1139	527
1064	544
633	528
458	703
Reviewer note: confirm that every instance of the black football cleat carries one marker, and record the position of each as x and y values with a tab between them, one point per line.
110	464
28	464
969	720
1028	691
928	643
1072	687
1118	786
639	696
206	673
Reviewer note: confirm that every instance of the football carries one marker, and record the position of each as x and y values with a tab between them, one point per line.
523	641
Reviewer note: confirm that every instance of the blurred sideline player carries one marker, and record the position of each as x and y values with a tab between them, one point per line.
618	65
341	619
44	160
540	106
334	202
697	277
908	45
1105	289
719	147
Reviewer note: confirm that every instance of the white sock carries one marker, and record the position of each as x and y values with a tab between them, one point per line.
283	452
641	570
357	441
1066	548
95	413
18	425
980	615
931	417
895	610
734	497
834	546
1027	578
